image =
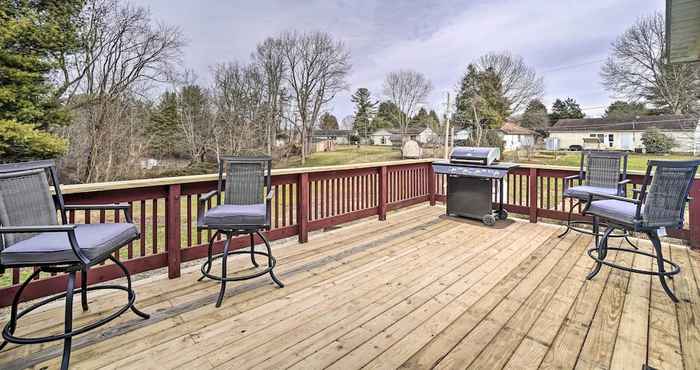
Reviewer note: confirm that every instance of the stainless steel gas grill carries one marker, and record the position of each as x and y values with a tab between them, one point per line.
472	176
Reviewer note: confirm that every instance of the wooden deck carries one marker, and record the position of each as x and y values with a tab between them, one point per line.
417	291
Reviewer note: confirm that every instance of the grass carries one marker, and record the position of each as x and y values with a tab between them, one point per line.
636	161
345	154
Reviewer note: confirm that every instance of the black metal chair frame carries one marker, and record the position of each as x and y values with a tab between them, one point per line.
69	268
599	252
236	230
581	176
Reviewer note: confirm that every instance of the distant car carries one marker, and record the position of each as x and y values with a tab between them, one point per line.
575	148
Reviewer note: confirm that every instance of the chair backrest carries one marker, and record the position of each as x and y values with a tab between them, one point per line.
603	169
26	199
246	179
664	194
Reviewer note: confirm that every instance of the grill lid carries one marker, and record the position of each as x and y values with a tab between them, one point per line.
477	155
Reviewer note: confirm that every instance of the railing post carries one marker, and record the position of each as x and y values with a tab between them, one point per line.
694	216
303	207
533	195
383	192
431	184
172	227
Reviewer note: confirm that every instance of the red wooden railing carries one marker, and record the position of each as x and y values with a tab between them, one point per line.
165	210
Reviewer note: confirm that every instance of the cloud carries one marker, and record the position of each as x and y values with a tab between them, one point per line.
565	40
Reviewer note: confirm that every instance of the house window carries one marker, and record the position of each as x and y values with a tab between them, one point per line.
383	140
611	139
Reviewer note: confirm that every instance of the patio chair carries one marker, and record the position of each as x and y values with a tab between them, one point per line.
658	205
600	172
31	236
245	210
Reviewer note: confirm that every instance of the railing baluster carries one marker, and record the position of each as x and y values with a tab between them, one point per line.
142	227
154	226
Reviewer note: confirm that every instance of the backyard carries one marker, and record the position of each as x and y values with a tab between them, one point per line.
636	161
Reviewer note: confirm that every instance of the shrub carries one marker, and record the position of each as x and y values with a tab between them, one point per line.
22	142
656	142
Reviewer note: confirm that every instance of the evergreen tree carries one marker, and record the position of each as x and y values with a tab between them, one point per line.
164	126
31	33
364	112
329	122
388	115
625	110
535	115
481	94
566	109
425	119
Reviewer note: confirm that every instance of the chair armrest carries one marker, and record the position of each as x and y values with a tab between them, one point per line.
36	229
569	179
623	182
126	207
203	201
68	229
598	196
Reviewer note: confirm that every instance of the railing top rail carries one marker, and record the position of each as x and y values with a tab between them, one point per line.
164	181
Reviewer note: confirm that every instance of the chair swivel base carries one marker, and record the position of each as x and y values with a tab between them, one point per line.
593	253
9	328
273	262
576	226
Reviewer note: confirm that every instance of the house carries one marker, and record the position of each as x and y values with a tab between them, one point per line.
463	134
515	136
341	137
384	136
626	134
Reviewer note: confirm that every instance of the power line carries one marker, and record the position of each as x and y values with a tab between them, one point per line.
559	68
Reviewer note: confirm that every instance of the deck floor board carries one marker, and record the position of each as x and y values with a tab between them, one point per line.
418	291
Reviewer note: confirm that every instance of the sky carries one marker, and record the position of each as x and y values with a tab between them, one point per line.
565	41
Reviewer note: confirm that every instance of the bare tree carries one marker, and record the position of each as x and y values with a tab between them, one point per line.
317	66
637	68
120	54
520	82
407	89
270	60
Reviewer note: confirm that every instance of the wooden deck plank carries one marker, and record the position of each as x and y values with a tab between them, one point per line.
664	345
287	350
451	326
383	335
417	291
688	292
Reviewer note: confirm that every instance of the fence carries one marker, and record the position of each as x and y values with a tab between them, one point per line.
305	200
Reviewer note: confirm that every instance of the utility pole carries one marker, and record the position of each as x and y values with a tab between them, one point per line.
447	128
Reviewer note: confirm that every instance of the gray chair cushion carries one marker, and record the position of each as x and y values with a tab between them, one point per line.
582	191
232	215
95	240
614	210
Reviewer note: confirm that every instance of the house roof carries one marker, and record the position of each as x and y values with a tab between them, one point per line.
512	128
396	131
332	132
662	122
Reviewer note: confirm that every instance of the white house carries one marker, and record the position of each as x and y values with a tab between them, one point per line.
626	134
341	137
515	137
463	134
422	135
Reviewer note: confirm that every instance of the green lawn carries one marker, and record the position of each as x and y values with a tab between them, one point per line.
637	162
345	154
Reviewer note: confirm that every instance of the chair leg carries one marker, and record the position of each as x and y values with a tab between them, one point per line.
269	260
568	221
252	250
15	303
132	295
627	238
68	320
209	254
83	289
602	251
656	242
224	259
